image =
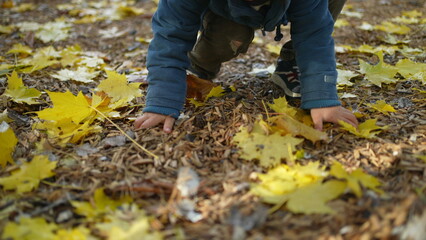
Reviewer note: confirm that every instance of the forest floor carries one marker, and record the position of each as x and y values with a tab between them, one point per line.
202	140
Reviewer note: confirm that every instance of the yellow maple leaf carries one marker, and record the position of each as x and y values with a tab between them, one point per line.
284	179
8	142
117	87
300	201
30	229
367	129
66	105
79	233
121	226
29	174
274	49
268	149
101	205
392	28
65	130
38	62
70	55
296	128
53	31
341	23
410	69
18	92
379	73
412	14
20	49
344	77
82	74
4	117
6	29
24	7
355	179
217	91
382	107
280	105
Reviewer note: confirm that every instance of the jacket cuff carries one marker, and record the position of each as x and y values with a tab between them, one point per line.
319	91
162	110
320	104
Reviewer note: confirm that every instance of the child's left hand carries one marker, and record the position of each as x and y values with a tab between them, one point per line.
333	115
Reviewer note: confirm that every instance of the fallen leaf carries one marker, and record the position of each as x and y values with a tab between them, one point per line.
413	70
18	92
100	205
198	88
268	149
341	23
392	28
29	174
6	29
383	107
20	49
8	142
82	74
344	77
379	73
274	49
284	179
30	229
367	129
296	128
301	200
4	117
355	179
66	105
217	91
117	87
78	233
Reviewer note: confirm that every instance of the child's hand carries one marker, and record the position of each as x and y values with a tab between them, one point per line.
148	120
333	115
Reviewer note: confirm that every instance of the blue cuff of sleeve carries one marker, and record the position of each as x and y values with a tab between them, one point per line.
320	104
162	110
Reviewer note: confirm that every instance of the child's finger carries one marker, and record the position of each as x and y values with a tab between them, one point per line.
168	124
139	121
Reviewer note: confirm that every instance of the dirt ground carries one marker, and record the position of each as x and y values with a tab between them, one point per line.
203	141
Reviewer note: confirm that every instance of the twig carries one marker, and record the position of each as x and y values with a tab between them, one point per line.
125	134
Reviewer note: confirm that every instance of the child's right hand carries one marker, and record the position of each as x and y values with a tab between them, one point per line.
148	120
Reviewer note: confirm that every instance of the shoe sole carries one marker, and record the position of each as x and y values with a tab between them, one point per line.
280	83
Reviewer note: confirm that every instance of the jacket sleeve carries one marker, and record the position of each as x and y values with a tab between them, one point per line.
311	29
175	26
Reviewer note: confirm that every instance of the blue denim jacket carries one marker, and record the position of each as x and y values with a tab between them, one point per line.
175	26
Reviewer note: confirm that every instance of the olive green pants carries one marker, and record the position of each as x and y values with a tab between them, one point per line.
222	40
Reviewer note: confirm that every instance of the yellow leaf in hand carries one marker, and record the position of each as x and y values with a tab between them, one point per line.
367	129
8	142
18	92
268	149
30	229
29	175
66	105
296	128
101	204
382	107
117	87
379	73
355	179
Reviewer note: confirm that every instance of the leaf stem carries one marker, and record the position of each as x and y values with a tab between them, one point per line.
125	134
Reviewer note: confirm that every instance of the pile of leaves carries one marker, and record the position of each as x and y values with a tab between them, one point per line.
242	161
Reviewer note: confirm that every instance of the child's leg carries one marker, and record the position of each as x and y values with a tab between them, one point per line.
220	41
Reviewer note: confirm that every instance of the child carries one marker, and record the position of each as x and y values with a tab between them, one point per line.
306	67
